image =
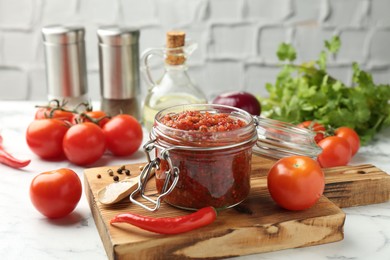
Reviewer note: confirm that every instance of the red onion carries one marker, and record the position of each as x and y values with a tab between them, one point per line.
240	99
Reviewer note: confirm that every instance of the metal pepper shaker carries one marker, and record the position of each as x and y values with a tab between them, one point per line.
66	70
119	70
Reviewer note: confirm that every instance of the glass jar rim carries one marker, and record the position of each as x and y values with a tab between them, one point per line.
201	139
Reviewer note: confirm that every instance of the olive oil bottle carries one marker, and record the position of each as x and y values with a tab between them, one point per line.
175	86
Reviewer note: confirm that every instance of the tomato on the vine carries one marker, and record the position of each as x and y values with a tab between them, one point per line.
44	137
84	143
351	136
56	193
99	116
123	135
336	151
296	182
318	128
47	112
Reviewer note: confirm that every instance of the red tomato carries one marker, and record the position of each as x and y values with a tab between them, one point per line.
46	112
336	151
99	116
44	137
84	143
351	136
316	127
123	135
296	182
56	193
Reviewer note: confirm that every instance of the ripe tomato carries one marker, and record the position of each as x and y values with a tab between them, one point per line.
316	127
46	112
84	143
44	137
336	151
56	193
296	182
99	116
123	135
351	136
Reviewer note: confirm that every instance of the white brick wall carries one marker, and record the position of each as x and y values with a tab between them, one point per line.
237	38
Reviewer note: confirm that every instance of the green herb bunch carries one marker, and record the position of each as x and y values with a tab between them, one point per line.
307	92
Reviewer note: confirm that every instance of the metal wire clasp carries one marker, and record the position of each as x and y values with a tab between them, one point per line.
171	174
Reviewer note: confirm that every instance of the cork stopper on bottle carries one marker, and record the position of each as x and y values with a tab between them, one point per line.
175	40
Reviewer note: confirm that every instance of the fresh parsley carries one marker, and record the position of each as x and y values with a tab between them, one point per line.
307	92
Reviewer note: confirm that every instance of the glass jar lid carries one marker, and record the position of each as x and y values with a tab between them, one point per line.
277	139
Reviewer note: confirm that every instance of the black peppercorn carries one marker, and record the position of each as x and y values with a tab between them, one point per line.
110	172
116	178
98	176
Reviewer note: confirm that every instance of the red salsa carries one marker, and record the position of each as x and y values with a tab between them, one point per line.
218	178
203	122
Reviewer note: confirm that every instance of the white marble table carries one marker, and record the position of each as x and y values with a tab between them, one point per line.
26	234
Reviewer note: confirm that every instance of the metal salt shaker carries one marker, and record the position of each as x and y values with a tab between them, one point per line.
66	70
119	70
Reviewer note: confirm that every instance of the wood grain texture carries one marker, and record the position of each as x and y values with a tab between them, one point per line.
256	225
359	185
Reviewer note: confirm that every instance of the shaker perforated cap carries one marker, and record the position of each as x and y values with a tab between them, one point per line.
113	35
58	34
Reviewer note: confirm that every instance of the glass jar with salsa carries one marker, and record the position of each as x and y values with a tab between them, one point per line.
203	153
213	155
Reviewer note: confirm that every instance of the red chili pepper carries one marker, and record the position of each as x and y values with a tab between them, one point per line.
9	160
169	225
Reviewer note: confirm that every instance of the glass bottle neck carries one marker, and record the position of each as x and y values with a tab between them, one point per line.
173	68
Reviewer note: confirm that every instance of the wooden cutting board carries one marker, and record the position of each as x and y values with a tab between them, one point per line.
256	225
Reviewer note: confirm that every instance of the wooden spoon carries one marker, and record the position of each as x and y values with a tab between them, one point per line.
117	191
